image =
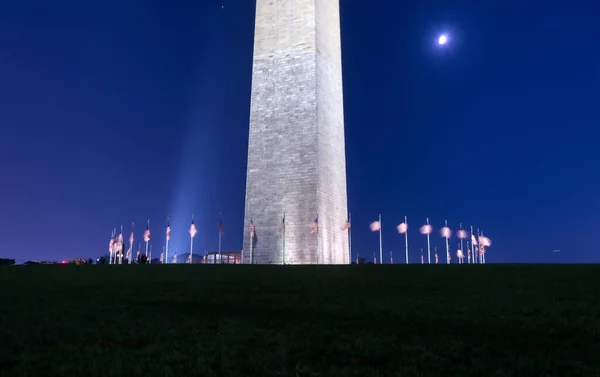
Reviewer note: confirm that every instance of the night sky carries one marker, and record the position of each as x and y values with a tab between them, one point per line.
113	112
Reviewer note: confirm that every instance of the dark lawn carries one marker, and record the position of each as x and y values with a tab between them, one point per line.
180	320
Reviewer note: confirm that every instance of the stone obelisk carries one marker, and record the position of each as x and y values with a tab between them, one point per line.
296	149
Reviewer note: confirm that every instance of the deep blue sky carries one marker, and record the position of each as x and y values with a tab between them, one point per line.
113	112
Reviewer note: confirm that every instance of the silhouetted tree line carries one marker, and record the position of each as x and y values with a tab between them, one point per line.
6	262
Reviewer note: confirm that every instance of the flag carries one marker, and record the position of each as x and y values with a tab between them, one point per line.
193	229
168	231
437	259
402	228
221	231
251	228
462	234
459	254
175	258
283	222
315	225
111	245
128	256
147	232
138	254
469	254
162	256
426	229
188	259
422	259
131	237
375	226
446	232
473	239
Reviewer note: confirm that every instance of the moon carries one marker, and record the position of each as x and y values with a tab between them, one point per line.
443	39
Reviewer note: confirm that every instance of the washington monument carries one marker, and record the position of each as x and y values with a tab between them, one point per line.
296	151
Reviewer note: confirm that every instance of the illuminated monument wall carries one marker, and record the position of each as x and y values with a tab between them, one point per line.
296	155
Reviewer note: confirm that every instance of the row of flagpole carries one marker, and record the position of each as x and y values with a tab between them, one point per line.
477	250
479	243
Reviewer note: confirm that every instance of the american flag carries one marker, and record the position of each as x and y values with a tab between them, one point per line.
188	261
314	228
462	234
375	226
283	222
147	232
468	253
473	239
193	229
175	258
168	232
437	259
251	228
422	259
128	253
121	237
131	238
111	245
221	231
162	257
402	228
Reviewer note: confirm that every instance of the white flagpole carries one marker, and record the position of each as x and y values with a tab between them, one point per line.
121	243
350	238
110	250
461	239
283	239
473	247
391	257
447	246
131	244
220	227
479	244
166	260
406	238
380	243
252	230
191	239
428	246
468	253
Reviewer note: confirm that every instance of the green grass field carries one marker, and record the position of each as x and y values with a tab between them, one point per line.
180	320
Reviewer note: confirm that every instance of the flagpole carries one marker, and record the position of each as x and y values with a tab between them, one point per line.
220	234
468	253
391	258
472	245
192	234
166	261
479	248
350	239
252	230
380	243
428	246
447	246
406	237
461	239
110	246
131	243
121	243
283	239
